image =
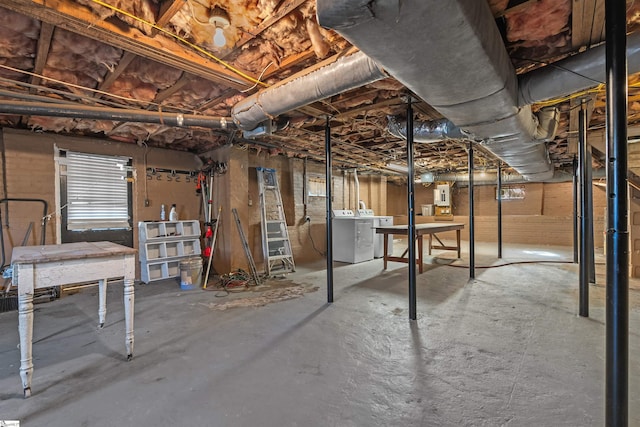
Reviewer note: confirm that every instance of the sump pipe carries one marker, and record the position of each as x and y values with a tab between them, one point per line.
115	114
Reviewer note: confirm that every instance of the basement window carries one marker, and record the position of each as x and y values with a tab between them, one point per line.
97	191
317	186
511	193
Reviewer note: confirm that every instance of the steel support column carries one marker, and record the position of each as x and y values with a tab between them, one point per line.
589	191
328	190
472	250
411	232
583	273
617	291
575	209
499	191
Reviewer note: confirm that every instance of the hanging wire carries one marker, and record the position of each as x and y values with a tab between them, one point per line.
259	77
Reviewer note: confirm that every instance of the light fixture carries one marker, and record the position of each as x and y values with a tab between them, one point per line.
397	167
219	18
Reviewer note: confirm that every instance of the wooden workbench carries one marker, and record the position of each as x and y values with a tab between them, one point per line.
421	229
55	265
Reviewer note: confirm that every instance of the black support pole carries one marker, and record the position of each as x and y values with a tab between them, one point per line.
499	191
617	288
575	209
591	253
328	174
472	246
411	232
584	216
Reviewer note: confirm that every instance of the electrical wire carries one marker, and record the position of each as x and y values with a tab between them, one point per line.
231	283
182	40
193	15
259	77
504	264
599	89
313	243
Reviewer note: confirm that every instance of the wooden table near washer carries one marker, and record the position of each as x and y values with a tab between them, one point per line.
421	229
56	265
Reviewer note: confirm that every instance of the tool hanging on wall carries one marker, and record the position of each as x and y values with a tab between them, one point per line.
206	190
212	248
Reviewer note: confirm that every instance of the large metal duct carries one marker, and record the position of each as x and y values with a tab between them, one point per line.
573	74
438	130
433	131
346	73
451	55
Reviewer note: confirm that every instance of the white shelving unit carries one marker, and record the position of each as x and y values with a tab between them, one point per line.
164	244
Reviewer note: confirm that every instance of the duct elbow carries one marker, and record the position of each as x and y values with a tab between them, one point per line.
548	119
426	132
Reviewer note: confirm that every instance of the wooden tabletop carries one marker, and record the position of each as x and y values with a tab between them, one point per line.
432	227
66	251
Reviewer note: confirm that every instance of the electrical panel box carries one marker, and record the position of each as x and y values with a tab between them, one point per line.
442	195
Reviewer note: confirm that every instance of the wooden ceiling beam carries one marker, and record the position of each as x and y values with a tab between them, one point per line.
286	7
70	16
168	9
111	77
166	93
358	110
587	23
44	42
598	138
218	99
516	6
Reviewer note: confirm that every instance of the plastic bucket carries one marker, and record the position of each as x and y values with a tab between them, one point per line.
191	274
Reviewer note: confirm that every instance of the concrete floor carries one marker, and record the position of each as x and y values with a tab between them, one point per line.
505	349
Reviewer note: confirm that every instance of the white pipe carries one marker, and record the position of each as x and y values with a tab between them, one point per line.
355	177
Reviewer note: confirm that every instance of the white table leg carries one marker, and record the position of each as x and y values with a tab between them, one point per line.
128	315
102	297
25	329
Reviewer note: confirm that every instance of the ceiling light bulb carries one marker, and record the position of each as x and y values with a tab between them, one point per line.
218	38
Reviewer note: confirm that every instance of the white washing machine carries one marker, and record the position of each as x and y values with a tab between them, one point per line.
378	239
352	237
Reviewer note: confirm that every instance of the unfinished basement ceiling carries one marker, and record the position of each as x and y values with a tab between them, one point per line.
160	56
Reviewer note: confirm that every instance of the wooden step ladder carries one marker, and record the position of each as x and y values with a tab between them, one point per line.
276	246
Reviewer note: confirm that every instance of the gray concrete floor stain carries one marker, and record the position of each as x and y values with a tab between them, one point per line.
504	349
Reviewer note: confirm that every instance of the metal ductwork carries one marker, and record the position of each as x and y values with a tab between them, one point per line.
346	73
579	72
490	178
433	131
451	55
115	114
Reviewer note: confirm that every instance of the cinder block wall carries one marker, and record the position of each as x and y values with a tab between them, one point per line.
544	216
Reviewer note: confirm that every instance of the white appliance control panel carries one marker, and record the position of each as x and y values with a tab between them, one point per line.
338	213
365	212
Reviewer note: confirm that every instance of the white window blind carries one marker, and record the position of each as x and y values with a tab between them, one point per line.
97	196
